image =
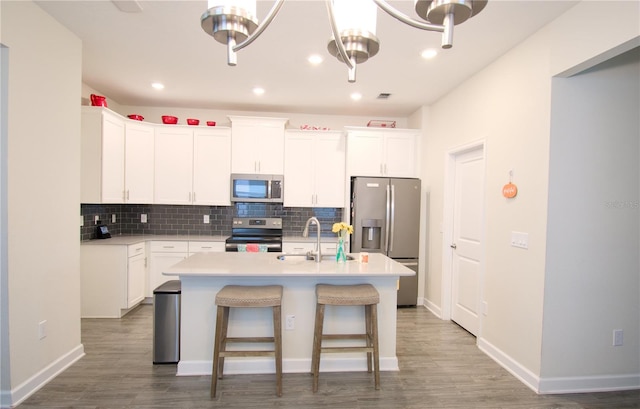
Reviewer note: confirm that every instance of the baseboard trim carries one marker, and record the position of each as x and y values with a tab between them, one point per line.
266	366
435	310
513	367
33	384
582	384
558	385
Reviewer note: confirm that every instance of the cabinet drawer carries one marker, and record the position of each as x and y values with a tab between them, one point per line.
135	249
298	247
205	246
169	246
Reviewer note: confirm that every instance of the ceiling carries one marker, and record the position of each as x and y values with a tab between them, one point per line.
123	53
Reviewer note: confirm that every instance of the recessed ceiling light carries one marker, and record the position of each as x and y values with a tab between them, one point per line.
356	96
315	59
258	90
429	53
157	85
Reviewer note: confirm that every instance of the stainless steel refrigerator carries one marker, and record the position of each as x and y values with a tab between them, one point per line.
385	214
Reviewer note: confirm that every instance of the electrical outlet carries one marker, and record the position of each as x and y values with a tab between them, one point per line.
618	335
81	220
42	329
143	218
290	322
205	219
113	218
96	219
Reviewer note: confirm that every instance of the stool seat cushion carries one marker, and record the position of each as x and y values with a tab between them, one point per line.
249	296
359	294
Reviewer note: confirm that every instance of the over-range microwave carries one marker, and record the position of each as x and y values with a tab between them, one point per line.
256	188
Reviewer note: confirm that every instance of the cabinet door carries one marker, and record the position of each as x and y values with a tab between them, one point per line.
243	158
400	154
257	145
112	159
269	150
136	269
211	167
329	170
138	163
364	154
173	165
161	262
299	170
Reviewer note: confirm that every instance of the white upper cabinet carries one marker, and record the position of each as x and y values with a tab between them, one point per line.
138	168
314	169
257	145
382	152
192	165
116	159
102	156
212	166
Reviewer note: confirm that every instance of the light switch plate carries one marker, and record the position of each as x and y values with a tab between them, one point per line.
205	219
143	218
519	239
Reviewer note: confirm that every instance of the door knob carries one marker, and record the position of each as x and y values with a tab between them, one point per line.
453	246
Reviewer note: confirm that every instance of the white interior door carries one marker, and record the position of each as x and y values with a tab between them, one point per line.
467	239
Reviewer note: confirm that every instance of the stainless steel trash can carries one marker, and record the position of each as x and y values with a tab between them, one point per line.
166	323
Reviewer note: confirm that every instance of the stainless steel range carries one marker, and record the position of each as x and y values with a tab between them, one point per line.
266	231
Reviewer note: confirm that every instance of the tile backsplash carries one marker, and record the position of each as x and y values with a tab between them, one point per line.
189	220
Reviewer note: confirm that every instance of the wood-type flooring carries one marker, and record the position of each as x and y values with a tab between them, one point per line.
440	367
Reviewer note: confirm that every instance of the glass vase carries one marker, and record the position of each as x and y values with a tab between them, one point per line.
341	255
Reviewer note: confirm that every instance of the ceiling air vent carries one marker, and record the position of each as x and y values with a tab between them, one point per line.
383	95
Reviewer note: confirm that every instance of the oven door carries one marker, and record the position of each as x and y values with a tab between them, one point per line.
234	244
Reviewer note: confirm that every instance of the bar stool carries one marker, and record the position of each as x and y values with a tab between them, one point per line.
347	295
238	296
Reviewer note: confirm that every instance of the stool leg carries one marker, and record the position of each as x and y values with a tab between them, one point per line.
317	345
277	341
369	336
216	351
376	352
223	339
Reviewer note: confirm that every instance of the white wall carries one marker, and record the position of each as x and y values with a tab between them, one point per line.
154	114
43	196
593	265
508	105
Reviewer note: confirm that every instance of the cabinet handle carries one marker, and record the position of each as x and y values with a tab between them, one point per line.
168	247
127	194
381	169
206	247
145	261
194	197
385	168
124	195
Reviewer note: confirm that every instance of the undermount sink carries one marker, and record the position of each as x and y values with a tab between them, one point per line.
306	257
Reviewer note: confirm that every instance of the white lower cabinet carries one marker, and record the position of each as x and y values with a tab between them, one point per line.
206	247
112	279
301	247
164	254
136	274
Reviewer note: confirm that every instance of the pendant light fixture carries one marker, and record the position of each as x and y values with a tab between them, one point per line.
353	24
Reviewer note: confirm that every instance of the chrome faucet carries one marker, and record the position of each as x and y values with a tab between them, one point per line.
305	233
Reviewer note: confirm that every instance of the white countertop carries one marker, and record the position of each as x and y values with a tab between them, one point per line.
132	239
267	265
126	239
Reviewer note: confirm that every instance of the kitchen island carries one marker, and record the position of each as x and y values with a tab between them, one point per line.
204	274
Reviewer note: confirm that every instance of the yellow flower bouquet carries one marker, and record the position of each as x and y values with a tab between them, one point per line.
342	229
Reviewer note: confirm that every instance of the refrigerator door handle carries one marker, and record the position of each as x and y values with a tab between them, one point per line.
387	221
393	216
